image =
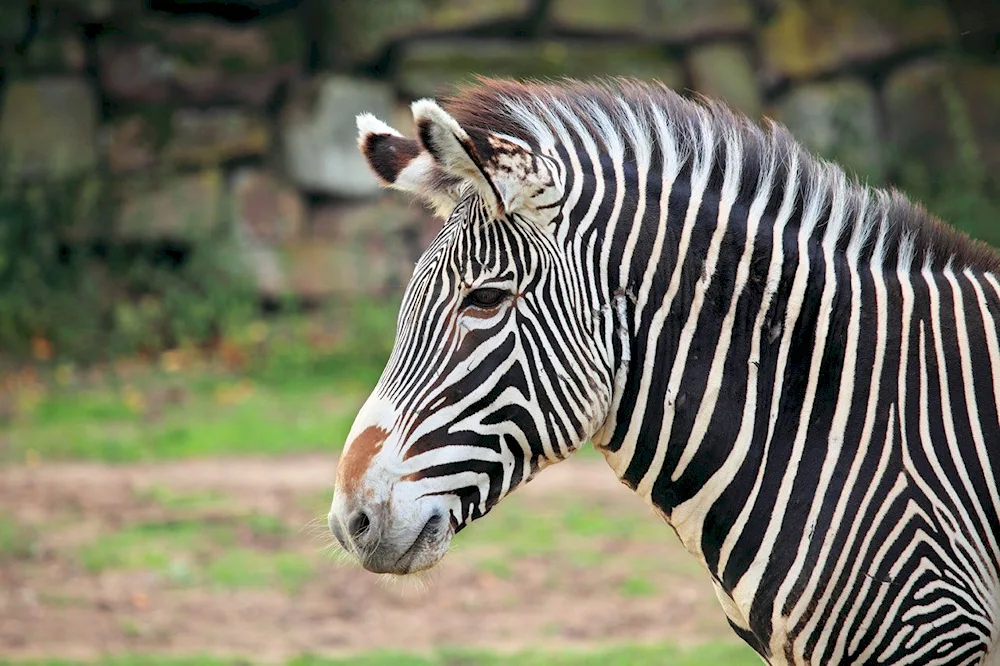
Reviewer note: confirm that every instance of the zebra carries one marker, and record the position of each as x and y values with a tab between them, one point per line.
798	371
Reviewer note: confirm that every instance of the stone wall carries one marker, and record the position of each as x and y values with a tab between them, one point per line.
197	116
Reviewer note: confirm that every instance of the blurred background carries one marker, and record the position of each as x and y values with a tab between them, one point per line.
198	287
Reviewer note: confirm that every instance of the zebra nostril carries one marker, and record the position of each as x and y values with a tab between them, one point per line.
358	525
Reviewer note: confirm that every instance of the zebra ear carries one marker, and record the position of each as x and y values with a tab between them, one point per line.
403	164
505	172
453	149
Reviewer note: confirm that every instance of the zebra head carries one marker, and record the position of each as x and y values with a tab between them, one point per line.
502	357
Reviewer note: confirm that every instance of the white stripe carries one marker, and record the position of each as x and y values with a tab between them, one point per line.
700	173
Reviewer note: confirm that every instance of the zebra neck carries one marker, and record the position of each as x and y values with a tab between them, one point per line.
746	317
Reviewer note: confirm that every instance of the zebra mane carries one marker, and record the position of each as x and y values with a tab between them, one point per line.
619	115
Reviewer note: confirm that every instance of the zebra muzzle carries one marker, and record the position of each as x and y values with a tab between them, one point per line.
384	541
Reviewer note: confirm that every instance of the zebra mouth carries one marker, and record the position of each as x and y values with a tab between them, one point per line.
422	544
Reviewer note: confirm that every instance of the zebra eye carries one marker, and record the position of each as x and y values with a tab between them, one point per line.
486	297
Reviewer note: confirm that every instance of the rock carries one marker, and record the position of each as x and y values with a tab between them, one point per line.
48	126
364	249
133	72
200	62
185	207
184	137
266	212
391	218
804	38
319	134
213	136
360	30
266	208
263	264
837	121
229	5
681	20
723	71
434	68
131	144
96	11
314	269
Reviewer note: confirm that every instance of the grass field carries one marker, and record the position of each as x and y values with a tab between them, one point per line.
171	511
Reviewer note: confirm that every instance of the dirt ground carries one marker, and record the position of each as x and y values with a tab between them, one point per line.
51	605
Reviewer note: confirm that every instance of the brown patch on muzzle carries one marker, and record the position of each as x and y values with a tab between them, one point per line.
359	454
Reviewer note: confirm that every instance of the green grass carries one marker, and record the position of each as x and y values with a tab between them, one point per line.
497	566
73	408
244	568
269	422
170	547
582	533
172	500
296	387
297	392
266	526
522	532
637	586
578	532
625	655
193	552
17	541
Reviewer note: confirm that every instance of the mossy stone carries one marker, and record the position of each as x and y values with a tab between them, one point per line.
130	144
363	28
433	69
319	133
266	208
48	126
673	19
183	207
317	268
364	248
210	137
200	61
807	38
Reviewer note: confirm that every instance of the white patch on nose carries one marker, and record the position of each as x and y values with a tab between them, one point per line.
357	486
376	412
